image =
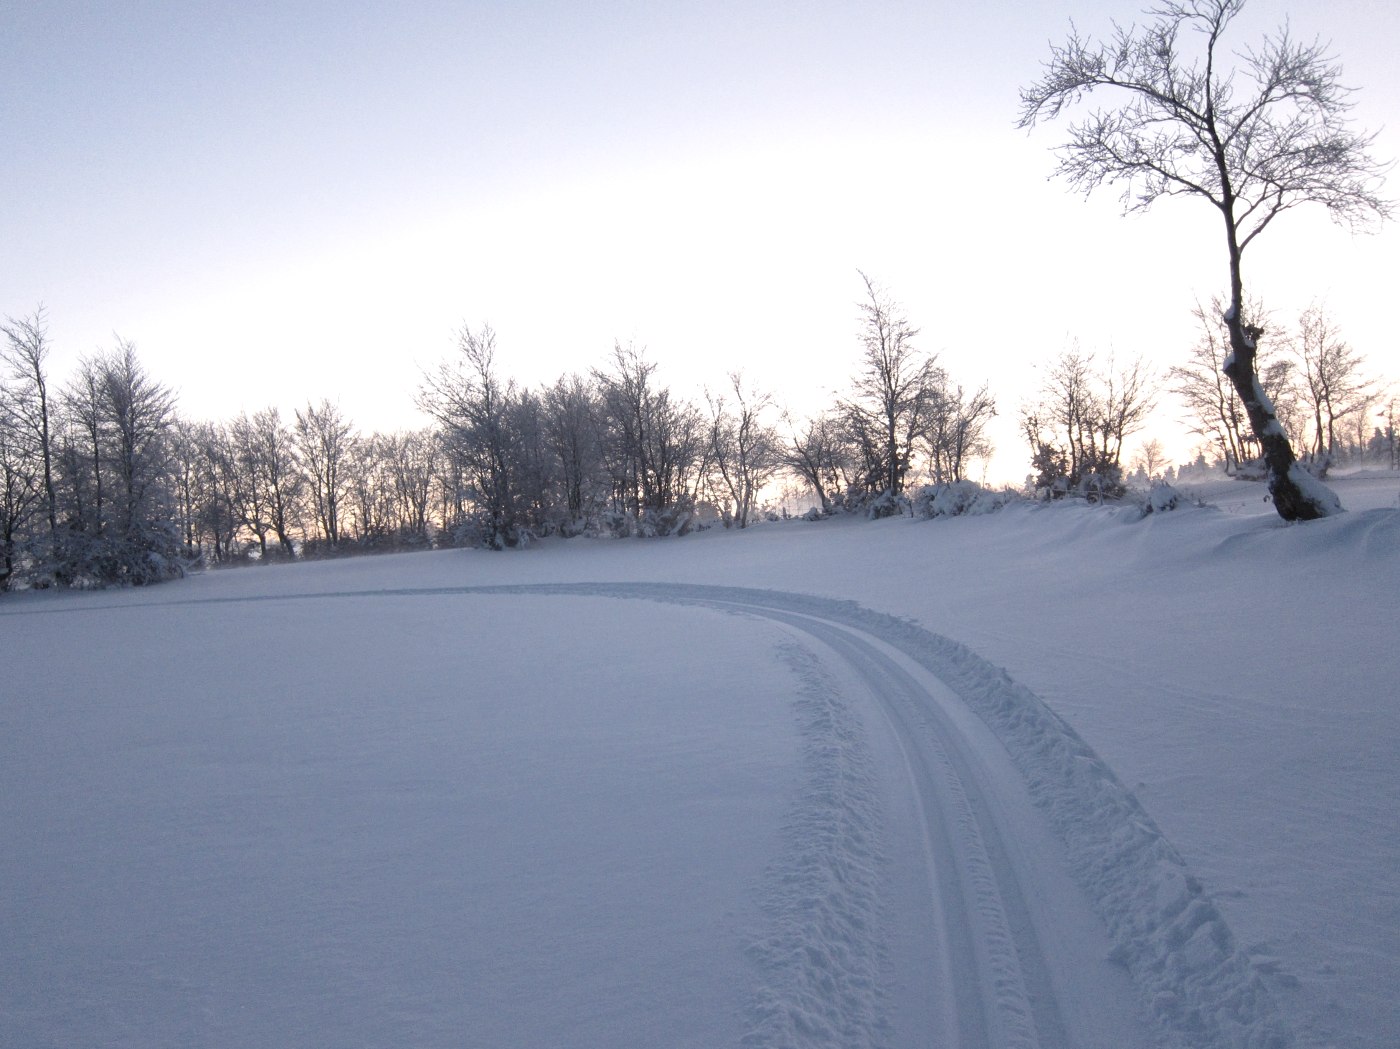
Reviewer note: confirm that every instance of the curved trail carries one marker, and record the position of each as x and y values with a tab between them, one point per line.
1023	864
986	950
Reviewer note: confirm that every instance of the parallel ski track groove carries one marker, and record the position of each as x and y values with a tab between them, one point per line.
969	847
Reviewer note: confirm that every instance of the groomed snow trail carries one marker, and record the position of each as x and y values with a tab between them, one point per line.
1021	822
973	984
1033	905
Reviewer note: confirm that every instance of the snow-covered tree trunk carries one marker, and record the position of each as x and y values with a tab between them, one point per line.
1297	495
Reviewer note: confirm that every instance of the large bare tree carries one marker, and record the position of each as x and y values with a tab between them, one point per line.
1255	138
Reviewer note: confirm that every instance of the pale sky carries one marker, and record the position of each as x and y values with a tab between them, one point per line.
283	201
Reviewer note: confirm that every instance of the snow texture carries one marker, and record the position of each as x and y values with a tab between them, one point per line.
1314	490
820	953
732	789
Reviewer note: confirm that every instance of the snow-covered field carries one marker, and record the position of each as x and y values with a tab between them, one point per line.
1050	777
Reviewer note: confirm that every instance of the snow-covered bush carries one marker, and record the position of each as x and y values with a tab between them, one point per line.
86	562
613	523
1161	498
958	499
886	504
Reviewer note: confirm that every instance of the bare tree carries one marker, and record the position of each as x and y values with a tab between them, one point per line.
894	392
222	508
20	489
275	480
1151	458
534	474
325	443
745	451
654	444
820	453
254	507
473	402
1254	141
24	352
369	495
1077	430
1070	402
188	477
957	428
1128	398
1049	462
411	461
1209	396
82	448
451	491
572	412
120	514
136	412
1333	386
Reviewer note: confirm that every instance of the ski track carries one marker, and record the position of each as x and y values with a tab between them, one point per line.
995	984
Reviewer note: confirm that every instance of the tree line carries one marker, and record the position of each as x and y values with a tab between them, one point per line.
1077	425
103	482
1318	383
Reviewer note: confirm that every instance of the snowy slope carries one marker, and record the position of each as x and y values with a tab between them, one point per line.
769	788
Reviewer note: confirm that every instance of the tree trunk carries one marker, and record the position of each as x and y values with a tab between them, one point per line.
1297	495
1293	500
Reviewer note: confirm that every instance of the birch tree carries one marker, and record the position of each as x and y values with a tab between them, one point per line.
1255	139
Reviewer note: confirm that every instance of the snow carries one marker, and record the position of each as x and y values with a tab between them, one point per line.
1050	776
1314	490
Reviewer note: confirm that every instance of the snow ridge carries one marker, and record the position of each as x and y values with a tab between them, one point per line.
820	956
1167	931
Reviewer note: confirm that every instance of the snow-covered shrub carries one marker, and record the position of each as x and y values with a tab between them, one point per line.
1253	470
613	523
1161	498
886	504
150	554
958	499
673	520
